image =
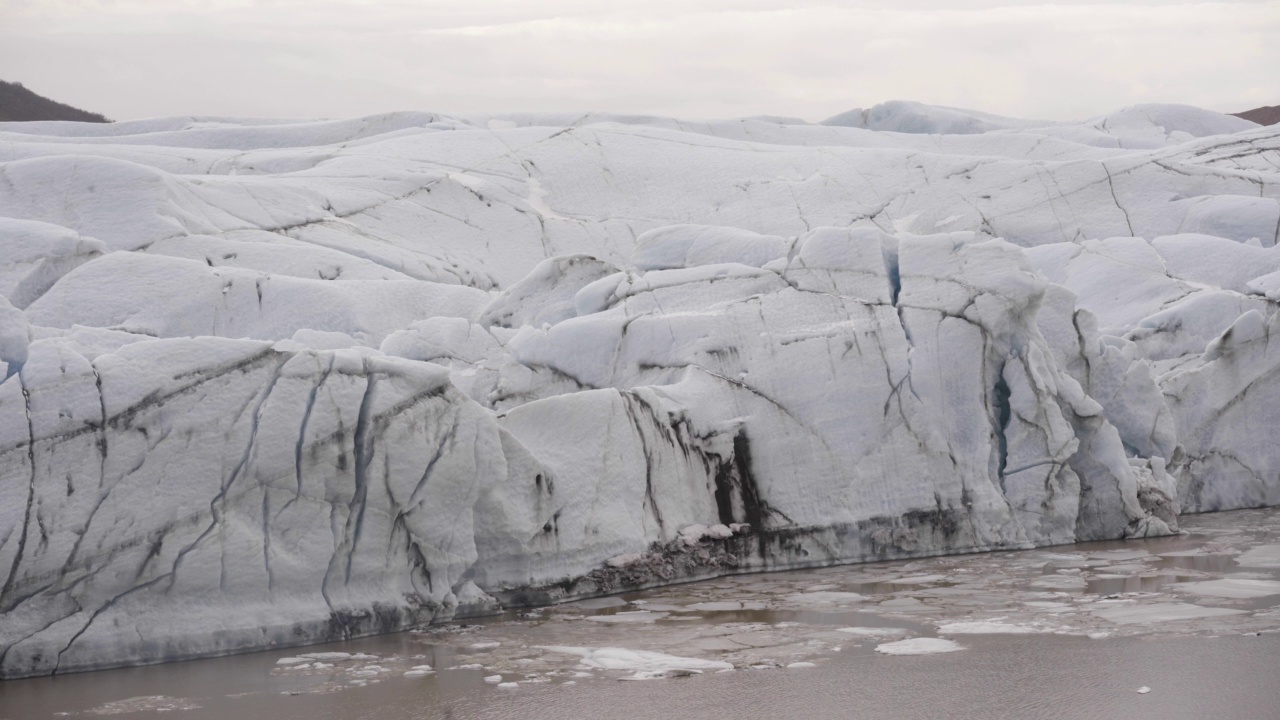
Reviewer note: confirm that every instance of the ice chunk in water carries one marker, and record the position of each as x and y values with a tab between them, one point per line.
824	597
875	632
1263	556
1236	588
612	658
1159	612
919	646
989	627
636	616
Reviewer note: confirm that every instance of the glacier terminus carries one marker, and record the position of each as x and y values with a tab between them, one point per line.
267	383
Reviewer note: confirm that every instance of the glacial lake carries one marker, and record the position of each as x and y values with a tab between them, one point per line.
1075	631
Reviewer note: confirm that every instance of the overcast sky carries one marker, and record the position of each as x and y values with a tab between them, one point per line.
687	58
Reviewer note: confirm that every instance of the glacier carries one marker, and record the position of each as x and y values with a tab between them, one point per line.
269	383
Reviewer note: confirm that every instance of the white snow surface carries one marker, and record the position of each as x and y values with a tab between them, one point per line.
278	382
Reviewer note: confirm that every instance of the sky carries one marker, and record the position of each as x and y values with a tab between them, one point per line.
693	59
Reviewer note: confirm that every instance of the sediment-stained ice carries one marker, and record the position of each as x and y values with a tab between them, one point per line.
271	383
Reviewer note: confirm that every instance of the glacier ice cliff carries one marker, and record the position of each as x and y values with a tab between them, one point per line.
273	383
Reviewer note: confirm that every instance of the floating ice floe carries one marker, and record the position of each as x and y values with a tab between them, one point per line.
874	632
1236	588
635	616
917	580
989	627
1263	556
919	646
824	597
638	660
723	606
1160	612
335	656
149	703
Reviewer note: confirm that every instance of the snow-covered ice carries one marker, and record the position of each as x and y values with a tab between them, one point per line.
266	383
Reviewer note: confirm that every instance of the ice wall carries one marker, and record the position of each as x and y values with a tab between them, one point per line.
270	384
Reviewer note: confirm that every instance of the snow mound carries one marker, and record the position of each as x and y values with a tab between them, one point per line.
1180	122
913	117
1138	126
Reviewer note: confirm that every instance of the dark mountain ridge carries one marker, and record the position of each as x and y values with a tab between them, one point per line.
20	104
1263	116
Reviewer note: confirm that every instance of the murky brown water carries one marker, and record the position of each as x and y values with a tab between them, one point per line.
1069	632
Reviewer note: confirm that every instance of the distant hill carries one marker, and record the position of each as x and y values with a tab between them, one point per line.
20	104
1262	116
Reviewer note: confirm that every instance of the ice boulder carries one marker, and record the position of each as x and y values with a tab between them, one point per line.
685	246
36	255
546	295
1240	218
